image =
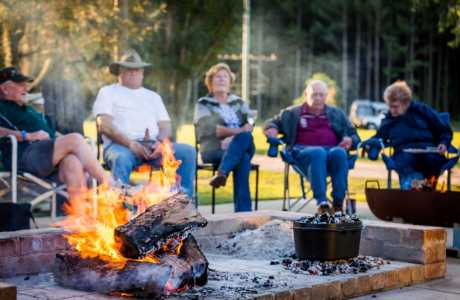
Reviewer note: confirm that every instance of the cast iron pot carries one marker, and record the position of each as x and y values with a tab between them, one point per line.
327	241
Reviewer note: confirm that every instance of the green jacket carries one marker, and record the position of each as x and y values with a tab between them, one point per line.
206	119
286	123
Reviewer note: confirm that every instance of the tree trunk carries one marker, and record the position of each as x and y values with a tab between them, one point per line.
358	57
437	89
377	94
345	57
298	54
369	50
445	98
410	69
64	105
429	77
6	45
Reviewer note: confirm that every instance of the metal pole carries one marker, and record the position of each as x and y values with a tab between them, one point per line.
245	50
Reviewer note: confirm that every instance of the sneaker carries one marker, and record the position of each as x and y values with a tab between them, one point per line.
323	208
218	180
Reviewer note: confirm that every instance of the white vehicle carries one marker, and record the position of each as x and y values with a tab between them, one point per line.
367	114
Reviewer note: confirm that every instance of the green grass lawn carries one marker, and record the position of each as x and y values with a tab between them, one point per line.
271	182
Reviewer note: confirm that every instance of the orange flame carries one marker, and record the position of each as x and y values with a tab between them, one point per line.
93	218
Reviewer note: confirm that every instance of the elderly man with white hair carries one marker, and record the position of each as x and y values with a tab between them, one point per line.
318	136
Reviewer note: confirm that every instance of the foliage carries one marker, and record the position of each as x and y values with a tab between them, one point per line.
333	89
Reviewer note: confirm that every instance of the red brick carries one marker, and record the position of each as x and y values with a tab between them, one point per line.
327	291
364	285
433	271
9	247
8	266
392	279
33	264
284	295
350	287
377	281
302	294
404	275
436	252
417	274
7	291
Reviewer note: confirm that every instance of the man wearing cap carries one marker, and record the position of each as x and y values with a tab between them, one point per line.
40	151
134	122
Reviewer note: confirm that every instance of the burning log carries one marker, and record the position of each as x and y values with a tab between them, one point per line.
171	274
144	233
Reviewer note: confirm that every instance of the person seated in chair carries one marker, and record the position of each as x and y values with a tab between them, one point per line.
40	151
411	127
225	135
134	123
318	136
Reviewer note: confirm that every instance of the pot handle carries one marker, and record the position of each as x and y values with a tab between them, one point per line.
368	182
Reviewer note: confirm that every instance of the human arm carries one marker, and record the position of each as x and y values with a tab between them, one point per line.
106	127
273	126
23	136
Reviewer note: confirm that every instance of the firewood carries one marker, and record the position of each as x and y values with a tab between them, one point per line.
196	259
172	216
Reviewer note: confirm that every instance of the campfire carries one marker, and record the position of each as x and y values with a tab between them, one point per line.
133	242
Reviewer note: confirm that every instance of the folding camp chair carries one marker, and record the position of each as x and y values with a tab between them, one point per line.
213	168
52	188
290	203
453	156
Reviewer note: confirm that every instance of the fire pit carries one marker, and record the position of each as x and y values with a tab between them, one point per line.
151	255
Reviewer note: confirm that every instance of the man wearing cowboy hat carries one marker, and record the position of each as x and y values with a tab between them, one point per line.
40	151
134	122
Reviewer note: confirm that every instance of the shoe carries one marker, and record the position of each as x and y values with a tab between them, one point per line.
338	209
323	208
218	180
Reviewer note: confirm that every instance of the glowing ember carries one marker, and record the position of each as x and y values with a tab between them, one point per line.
92	219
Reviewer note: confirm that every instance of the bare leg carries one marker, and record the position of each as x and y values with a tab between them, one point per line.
75	144
71	172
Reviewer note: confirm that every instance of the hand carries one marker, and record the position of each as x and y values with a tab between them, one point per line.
247	127
441	148
155	150
271	132
346	143
220	130
37	136
139	150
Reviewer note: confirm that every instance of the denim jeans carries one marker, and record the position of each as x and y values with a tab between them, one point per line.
236	158
122	161
317	163
410	166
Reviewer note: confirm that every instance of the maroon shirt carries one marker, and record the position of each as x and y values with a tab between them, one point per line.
314	130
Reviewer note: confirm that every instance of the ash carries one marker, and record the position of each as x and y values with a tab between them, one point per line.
359	264
326	218
270	241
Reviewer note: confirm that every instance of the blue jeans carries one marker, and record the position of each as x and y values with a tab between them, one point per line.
236	158
122	161
317	163
410	166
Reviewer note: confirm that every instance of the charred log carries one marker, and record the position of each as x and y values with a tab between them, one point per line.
195	257
171	274
146	232
141	279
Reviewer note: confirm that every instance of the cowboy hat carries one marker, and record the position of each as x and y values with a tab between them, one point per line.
130	60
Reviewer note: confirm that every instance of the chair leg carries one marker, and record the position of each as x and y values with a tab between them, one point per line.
257	189
53	203
449	173
389	180
286	186
213	204
302	186
196	186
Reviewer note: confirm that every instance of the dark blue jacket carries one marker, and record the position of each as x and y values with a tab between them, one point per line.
420	126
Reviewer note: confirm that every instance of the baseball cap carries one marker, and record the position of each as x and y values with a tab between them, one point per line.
13	74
